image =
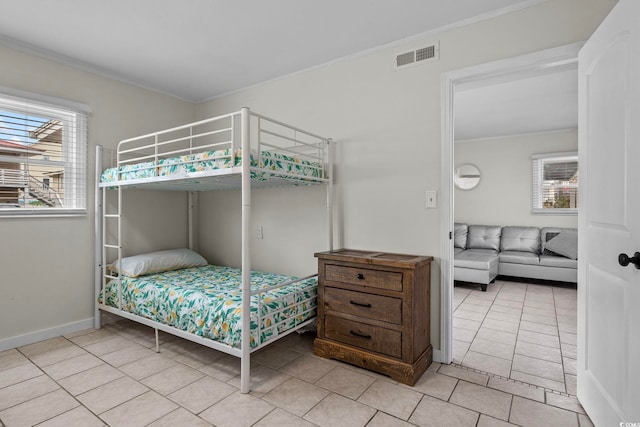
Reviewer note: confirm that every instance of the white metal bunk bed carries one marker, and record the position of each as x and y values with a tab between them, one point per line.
172	159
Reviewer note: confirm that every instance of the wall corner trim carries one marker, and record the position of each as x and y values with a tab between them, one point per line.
437	356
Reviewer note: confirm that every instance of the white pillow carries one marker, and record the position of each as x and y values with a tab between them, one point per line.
157	262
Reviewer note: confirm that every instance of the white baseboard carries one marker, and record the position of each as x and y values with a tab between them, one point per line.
44	334
437	355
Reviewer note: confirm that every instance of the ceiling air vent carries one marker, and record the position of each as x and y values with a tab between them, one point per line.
419	56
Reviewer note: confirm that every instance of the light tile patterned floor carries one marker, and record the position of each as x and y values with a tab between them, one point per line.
112	377
525	332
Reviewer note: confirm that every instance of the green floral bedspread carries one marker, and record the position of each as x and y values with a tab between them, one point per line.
207	301
219	159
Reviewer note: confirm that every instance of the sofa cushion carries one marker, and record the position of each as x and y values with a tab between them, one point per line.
558	261
456	251
460	235
519	257
524	239
484	237
478	259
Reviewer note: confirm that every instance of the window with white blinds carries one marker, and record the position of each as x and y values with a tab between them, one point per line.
555	183
43	155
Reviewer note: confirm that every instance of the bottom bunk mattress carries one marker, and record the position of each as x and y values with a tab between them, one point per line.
207	301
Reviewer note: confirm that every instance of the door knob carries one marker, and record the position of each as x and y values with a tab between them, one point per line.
624	260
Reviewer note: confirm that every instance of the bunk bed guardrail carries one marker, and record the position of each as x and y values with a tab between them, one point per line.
215	144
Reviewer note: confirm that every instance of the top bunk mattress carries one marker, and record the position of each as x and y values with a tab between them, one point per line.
207	301
265	166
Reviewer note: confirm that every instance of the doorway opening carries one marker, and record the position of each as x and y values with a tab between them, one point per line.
480	329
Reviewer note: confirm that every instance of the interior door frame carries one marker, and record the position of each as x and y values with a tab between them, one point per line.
537	61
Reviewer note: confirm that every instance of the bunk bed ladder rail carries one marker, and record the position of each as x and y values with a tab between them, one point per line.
98	249
102	273
118	246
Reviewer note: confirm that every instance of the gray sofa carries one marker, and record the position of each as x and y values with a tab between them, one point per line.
482	252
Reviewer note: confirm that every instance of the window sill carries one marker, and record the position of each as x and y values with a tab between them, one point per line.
554	211
42	213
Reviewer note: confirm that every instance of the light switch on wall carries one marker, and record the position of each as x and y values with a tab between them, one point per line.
431	199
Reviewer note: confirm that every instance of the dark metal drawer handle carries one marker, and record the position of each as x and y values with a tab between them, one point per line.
360	334
360	276
359	304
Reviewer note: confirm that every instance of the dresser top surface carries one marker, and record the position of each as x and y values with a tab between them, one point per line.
378	258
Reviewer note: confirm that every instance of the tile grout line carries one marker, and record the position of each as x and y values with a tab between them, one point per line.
511	380
510	406
414	409
481	322
493	301
564	372
257	421
458	380
516	343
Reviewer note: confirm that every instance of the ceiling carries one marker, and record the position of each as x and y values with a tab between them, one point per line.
517	104
199	49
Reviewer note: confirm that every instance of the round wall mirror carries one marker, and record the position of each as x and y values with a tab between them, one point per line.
466	176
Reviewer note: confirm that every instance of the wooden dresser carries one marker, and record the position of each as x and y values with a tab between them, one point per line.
373	311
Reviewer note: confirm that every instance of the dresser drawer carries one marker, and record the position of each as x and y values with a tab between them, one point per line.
364	277
370	306
365	336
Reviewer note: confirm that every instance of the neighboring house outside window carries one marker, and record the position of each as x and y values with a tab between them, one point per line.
43	155
555	183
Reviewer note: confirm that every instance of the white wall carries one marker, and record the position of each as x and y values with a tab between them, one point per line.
387	129
46	264
286	235
503	196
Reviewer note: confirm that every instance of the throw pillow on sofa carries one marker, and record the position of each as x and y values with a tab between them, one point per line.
549	236
564	243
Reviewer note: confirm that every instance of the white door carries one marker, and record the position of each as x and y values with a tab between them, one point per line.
609	219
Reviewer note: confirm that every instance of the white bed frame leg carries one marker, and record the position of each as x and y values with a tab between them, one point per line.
245	361
157	342
330	192
98	248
